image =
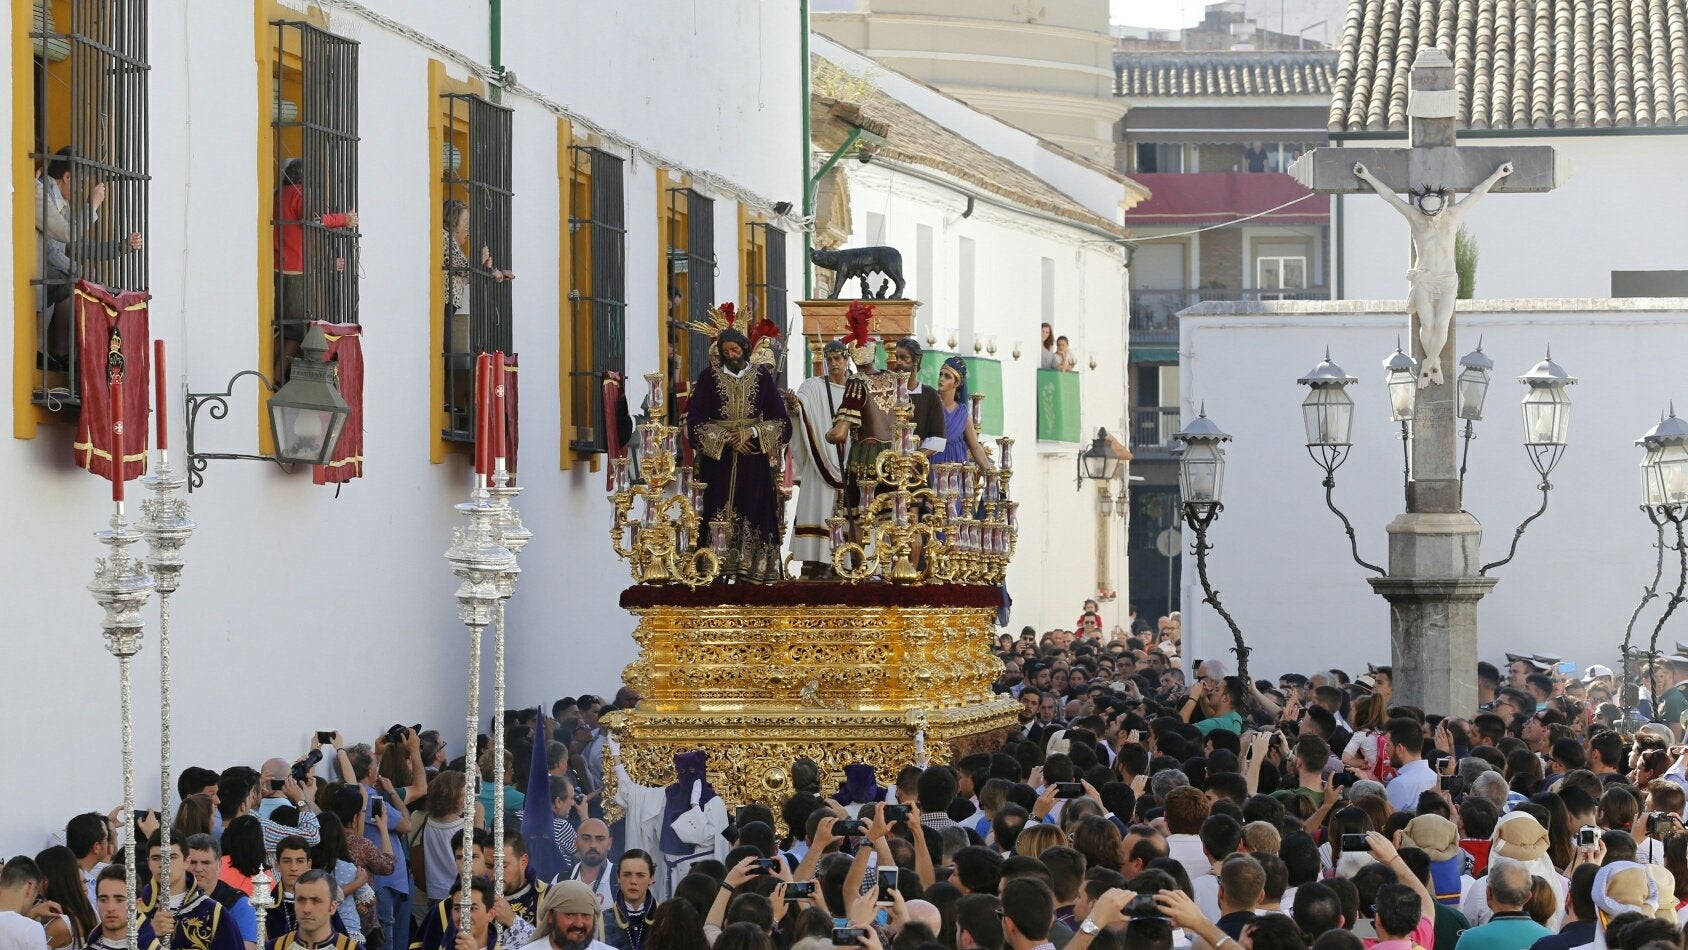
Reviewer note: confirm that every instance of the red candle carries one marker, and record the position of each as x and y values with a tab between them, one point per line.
162	412
114	418
499	433
483	446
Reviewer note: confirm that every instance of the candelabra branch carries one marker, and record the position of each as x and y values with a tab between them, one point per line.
1330	458
1465	449
1518	535
1647	594
1674	515
1199	515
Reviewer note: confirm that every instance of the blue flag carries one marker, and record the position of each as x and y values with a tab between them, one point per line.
545	859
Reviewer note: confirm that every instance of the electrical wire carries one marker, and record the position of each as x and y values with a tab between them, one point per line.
1215	227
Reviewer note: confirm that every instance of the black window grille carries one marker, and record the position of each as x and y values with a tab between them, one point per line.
598	298
90	123
477	314
691	280
314	114
767	281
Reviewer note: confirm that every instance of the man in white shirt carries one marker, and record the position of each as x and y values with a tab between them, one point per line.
1186	810
20	881
1414	776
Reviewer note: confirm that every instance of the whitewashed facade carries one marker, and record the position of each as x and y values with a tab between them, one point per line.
299	610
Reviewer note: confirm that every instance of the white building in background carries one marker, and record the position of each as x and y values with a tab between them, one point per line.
300	609
1616	110
999	233
1280	559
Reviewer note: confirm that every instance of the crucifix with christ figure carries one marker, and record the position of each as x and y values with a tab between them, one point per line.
1431	173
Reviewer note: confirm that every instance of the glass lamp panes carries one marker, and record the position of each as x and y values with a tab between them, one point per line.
1328	415
1670	474
1471	387
1201	472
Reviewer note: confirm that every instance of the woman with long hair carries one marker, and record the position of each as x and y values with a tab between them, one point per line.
243	853
743	936
1367	752
961	442
676	925
431	852
1561	837
1046	352
1523	771
193	817
1036	838
1348	820
62	884
334	856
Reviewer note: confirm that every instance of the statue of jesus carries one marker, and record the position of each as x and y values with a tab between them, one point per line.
1433	281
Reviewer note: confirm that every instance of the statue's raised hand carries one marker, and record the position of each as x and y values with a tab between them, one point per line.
1505	169
1359	169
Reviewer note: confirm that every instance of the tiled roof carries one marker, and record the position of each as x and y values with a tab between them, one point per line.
1179	74
914	139
1519	64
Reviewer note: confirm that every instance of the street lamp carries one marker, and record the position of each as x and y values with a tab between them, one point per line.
1547	424
1100	462
1471	387
1402	379
1328	416
1201	480
1664	492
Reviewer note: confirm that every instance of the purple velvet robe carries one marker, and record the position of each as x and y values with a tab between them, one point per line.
743	484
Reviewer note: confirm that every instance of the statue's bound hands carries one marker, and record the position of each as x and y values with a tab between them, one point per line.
1360	170
1505	169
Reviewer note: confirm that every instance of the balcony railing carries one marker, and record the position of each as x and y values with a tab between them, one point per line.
1154	313
1152	430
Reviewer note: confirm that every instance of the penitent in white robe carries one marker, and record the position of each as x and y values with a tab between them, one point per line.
820	467
644	806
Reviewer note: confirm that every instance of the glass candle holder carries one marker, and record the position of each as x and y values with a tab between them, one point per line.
969	480
993	486
902	389
1006	447
899	507
718	537
869	488
977	413
683	482
1014	517
835	528
623	468
653	394
633	537
647	441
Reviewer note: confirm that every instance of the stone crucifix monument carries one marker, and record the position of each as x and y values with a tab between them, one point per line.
1433	583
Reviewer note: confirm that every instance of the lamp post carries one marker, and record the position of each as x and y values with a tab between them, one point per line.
1471	387
1201	482
1099	462
1664	495
1328	416
1547	425
1401	377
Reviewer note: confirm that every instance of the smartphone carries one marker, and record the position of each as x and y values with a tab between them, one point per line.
797	889
1069	789
1566	669
1587	836
848	936
767	865
1450	783
324	736
376	807
887	883
894	813
1355	843
277	784
848	828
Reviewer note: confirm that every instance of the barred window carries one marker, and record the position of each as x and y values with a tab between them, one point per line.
691	280
764	279
476	219
314	117
90	151
598	294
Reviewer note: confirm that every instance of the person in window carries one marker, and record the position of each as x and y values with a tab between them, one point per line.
1065	361
1255	157
60	229
1046	358
292	311
458	267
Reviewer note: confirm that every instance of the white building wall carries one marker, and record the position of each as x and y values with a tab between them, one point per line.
1054	568
299	610
1280	559
1617	211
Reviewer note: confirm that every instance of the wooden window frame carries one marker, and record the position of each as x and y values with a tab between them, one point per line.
597	296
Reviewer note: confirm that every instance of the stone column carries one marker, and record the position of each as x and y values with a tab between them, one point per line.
1433	589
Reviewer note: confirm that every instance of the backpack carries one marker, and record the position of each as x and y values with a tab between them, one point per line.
1383	771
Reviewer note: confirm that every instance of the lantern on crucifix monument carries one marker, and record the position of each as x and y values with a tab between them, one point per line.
1328	412
1664	472
1547	413
1472	385
1402	380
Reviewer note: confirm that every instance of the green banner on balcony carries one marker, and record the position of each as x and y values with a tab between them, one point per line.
1057	406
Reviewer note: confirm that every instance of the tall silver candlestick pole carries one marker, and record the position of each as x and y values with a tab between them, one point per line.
121	586
515	537
166	526
262	884
478	557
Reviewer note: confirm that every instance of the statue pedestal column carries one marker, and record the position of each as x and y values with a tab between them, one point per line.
825	320
1433	589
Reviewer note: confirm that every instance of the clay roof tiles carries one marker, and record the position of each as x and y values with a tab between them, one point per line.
1223	74
1518	64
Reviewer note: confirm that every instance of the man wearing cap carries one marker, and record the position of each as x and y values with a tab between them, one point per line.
1675	699
569	919
820	460
1519	668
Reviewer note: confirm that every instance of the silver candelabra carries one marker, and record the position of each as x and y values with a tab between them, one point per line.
166	526
515	536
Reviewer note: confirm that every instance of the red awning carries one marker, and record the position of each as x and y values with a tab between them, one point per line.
1203	198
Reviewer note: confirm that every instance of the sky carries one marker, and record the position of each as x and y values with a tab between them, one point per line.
1160	14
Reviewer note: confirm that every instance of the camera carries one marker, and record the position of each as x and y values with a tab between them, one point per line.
848	936
1143	906
1587	836
797	889
1658	824
396	733
302	768
845	829
887	883
1355	843
1069	789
